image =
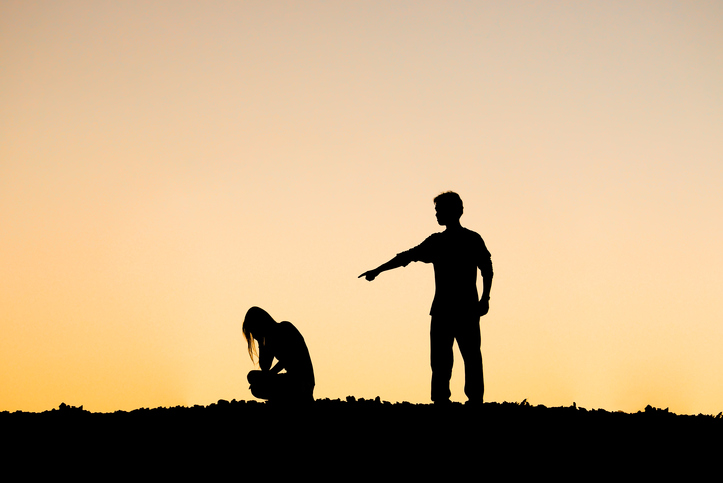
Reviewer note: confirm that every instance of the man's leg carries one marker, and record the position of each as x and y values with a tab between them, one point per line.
469	341
441	340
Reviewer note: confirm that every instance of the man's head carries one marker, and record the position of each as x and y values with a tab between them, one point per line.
449	207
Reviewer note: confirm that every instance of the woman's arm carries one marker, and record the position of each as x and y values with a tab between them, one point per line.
266	357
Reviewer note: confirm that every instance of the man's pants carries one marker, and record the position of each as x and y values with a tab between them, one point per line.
444	331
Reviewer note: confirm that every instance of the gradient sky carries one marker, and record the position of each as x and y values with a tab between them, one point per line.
165	165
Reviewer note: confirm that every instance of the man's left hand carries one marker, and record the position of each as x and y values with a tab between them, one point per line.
484	307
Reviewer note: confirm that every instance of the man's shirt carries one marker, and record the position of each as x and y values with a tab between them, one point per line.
456	254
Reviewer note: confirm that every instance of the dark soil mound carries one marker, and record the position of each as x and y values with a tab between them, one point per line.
360	439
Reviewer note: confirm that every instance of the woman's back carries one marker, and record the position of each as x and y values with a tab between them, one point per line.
291	351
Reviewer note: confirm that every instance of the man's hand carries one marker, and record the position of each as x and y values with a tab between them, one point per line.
484	307
370	275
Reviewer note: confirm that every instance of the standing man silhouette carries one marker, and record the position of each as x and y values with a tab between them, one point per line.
456	254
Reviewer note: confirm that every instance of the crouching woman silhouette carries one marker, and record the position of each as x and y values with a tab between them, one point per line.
270	340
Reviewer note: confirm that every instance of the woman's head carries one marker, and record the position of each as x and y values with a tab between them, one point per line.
256	326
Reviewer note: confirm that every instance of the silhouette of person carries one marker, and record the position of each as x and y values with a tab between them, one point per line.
283	342
456	254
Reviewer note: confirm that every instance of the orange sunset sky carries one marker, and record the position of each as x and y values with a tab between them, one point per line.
165	165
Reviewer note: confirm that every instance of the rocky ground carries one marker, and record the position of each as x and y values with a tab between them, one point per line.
342	439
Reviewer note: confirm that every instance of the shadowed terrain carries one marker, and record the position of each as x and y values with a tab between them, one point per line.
372	438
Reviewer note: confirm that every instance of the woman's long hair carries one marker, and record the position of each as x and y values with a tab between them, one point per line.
256	318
